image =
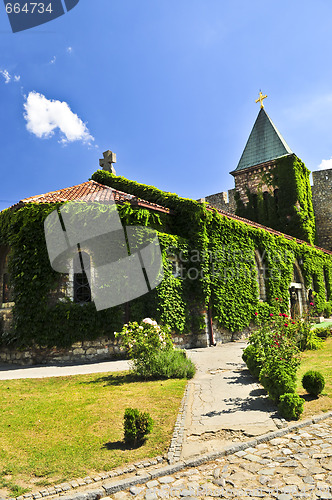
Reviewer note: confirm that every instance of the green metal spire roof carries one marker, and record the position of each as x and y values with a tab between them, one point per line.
265	143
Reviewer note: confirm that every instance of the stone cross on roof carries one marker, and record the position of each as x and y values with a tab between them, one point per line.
107	162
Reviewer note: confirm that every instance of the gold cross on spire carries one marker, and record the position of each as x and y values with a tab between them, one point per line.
260	99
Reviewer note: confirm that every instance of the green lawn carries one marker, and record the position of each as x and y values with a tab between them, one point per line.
57	429
323	325
320	360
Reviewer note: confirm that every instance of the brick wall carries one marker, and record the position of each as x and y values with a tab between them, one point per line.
322	201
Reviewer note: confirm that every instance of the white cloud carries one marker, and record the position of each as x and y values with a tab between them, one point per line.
69	50
44	116
6	75
325	164
52	61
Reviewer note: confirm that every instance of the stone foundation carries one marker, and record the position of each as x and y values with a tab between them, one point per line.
86	351
222	335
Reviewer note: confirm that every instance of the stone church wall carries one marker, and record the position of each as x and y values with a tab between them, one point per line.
322	201
223	201
251	180
102	349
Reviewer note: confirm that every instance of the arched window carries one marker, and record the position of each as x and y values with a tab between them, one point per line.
260	269
266	203
326	283
297	292
6	290
82	272
276	199
176	265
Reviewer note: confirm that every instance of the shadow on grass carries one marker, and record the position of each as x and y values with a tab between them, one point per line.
120	445
308	397
115	379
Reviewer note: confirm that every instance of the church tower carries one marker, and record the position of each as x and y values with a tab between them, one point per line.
272	184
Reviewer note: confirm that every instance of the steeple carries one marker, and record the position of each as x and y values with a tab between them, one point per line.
265	143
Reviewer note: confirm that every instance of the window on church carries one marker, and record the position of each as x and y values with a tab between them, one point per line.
276	199
266	203
176	265
82	291
6	290
260	276
327	284
296	275
255	205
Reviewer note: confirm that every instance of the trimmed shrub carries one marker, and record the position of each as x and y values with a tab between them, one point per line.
313	382
166	364
291	406
277	380
251	356
136	426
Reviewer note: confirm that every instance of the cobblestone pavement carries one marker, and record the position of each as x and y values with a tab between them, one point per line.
296	465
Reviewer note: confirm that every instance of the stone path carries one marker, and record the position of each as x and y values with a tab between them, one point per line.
296	465
225	403
10	372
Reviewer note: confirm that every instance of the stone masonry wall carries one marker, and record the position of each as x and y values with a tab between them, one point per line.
223	201
222	335
322	201
251	179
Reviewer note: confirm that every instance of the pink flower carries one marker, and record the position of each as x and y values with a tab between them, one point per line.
256	314
271	315
280	314
149	321
286	324
277	298
311	303
293	322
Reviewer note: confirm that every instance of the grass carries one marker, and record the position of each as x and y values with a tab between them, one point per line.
323	325
58	429
320	360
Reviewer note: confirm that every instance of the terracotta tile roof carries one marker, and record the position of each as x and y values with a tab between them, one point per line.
89	191
265	228
93	191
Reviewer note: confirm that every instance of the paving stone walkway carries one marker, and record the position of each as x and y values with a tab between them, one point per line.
296	465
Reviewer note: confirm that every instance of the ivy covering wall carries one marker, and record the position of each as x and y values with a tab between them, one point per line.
216	256
290	209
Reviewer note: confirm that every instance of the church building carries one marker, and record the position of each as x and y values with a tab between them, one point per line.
228	259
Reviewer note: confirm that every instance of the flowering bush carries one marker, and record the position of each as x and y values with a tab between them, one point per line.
144	338
150	347
273	355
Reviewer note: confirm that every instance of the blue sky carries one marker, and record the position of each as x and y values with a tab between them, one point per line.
168	85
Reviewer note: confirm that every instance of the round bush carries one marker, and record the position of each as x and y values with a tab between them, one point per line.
291	406
313	382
